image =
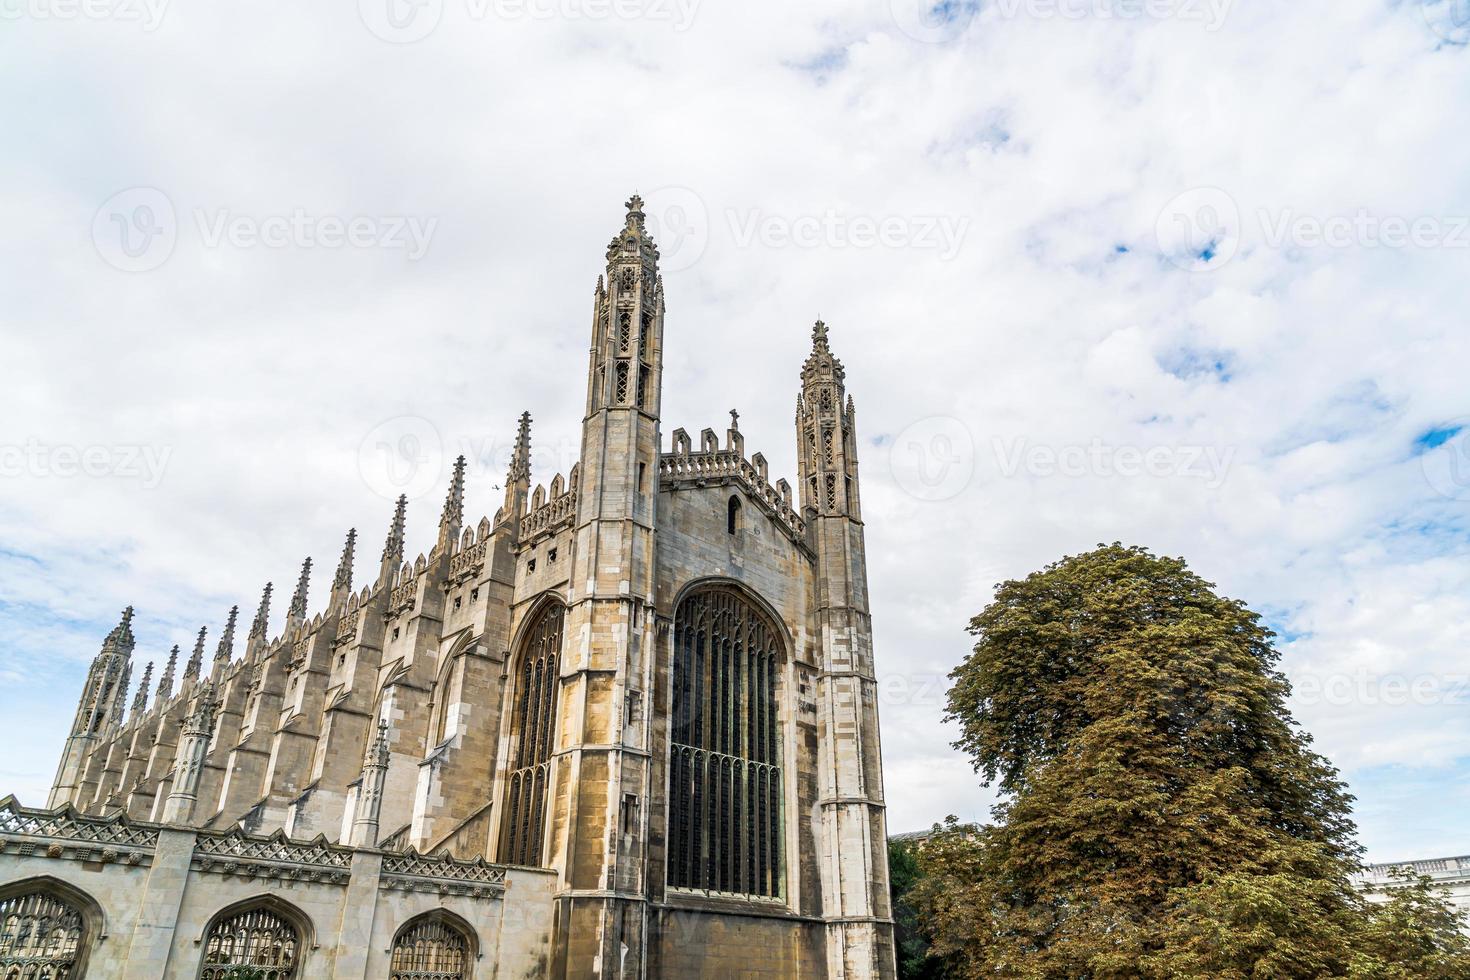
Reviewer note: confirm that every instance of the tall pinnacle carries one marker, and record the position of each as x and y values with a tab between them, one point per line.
520	458
636	216
393	547
225	651
140	700
453	517
196	659
120	640
166	682
296	614
342	581
518	477
262	614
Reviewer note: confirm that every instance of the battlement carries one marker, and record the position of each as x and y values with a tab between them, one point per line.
713	465
549	512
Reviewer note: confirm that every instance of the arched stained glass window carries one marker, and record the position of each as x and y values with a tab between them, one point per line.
533	730
255	943
429	948
41	937
725	786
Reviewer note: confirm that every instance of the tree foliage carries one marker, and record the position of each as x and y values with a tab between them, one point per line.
1162	813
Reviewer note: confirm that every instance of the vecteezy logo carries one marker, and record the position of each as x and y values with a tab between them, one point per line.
934	458
402	456
1447	462
933	21
135	230
401	21
679	222
1199	231
1450	19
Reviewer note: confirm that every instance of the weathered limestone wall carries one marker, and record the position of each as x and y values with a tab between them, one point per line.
150	894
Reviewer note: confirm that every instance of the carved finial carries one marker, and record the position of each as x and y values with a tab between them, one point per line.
734	420
196	659
225	650
819	334
140	700
378	751
342	581
297	612
262	614
520	458
166	682
453	517
120	640
393	547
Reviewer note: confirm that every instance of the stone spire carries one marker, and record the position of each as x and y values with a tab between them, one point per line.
196	659
393	547
140	700
166	682
262	614
225	650
370	790
120	640
296	613
189	758
259	636
452	519
826	445
518	477
342	581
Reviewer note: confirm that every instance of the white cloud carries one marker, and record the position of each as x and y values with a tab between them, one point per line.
1056	144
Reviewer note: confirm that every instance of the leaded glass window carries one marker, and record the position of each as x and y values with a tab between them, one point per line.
430	949
40	938
256	944
533	729
725	786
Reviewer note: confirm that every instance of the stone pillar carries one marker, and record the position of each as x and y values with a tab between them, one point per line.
189	763
370	792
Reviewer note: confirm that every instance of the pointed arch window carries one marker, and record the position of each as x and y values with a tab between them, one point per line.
732	515
256	942
533	729
725	786
430	948
41	936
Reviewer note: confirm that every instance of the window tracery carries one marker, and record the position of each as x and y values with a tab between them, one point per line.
533	727
255	943
41	937
430	949
725	785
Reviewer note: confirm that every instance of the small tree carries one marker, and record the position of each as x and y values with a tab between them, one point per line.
906	876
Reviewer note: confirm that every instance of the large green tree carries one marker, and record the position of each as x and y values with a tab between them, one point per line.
1162	814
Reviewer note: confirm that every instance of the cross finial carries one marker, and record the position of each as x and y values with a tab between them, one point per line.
734	419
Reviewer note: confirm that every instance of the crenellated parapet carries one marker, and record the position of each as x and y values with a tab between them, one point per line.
712	465
549	515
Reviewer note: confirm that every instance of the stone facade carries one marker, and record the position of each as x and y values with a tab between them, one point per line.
1451	877
646	690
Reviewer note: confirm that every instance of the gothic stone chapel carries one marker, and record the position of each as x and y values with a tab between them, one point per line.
627	728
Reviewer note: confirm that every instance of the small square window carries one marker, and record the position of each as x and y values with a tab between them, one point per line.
341	659
395	632
551	555
458	601
531	566
474	595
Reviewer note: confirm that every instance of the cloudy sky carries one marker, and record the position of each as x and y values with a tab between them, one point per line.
1191	274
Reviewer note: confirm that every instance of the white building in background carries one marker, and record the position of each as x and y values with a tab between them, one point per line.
1452	875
